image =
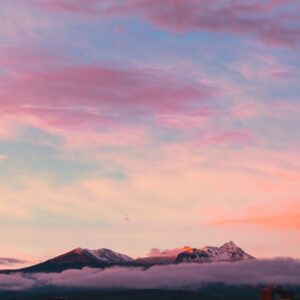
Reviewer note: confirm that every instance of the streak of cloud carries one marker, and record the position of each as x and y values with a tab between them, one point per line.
11	261
272	22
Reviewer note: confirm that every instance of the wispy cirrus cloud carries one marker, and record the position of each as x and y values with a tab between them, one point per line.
225	138
107	102
97	95
279	221
105	87
275	23
284	215
11	261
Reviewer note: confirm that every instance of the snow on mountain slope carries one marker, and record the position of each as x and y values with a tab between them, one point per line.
79	258
108	256
228	252
235	252
193	255
104	258
216	253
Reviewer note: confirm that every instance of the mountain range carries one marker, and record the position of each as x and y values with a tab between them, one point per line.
228	252
103	258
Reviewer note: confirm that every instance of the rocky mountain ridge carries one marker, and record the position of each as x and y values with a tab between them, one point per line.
103	258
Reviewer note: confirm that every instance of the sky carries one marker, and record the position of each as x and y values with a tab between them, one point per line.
140	124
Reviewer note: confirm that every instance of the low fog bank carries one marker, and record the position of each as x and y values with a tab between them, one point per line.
281	271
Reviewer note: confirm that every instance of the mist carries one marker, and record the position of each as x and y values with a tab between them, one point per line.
281	271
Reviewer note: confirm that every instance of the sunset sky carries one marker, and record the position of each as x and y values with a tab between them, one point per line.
139	124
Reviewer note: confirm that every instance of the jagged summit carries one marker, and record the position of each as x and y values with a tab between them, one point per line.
77	250
228	252
229	245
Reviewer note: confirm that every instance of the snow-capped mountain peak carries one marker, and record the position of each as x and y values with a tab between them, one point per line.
228	252
77	250
79	258
108	256
229	246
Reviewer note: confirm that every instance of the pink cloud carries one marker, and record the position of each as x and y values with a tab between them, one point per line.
267	21
122	137
280	221
283	74
9	127
245	111
225	137
19	60
196	119
79	94
3	157
58	119
280	217
76	6
57	97
264	68
107	87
